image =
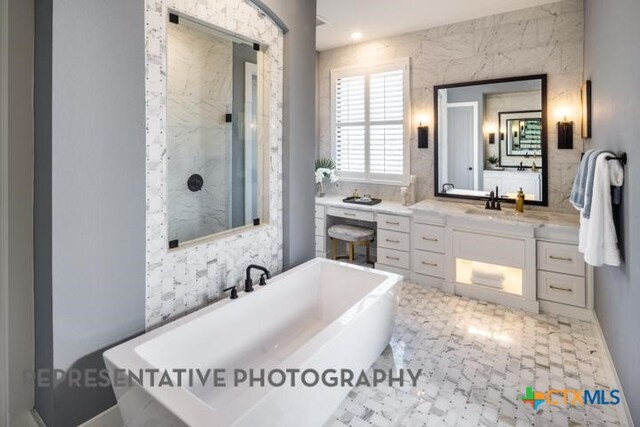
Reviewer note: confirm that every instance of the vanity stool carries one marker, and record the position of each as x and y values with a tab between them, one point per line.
354	236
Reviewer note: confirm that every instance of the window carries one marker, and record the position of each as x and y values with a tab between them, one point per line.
370	111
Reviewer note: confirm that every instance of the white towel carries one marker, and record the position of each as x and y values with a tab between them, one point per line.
487	278
598	240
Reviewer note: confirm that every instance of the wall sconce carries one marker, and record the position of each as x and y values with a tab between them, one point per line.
565	131
585	98
565	135
490	128
423	133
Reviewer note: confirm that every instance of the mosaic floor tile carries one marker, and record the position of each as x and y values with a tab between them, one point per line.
477	360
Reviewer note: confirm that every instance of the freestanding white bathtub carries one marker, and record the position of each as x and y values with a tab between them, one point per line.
321	315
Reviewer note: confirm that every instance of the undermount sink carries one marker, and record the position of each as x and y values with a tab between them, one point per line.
508	212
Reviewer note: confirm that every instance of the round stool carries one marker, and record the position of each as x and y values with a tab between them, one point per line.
354	236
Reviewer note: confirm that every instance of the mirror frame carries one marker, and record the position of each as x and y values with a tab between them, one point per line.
544	136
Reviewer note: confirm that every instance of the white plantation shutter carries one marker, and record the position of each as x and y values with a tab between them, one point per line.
350	125
369	123
386	139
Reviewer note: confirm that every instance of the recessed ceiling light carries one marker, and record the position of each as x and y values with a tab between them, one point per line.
356	36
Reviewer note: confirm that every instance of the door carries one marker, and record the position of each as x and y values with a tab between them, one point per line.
462	130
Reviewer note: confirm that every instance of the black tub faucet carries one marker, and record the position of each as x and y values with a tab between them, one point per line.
248	283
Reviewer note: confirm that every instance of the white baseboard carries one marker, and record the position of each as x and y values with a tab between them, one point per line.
623	408
109	418
35	416
566	310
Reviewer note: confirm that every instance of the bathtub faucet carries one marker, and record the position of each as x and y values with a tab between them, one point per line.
248	283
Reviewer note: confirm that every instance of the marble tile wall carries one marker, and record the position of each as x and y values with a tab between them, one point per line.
199	89
184	279
546	39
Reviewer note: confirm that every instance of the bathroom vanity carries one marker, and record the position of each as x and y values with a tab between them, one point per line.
391	220
528	260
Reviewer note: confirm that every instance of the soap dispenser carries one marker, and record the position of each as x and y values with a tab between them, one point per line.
520	201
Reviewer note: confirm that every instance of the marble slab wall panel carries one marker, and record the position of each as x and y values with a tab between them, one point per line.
541	40
199	90
182	280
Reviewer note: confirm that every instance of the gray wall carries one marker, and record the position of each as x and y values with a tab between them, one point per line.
90	181
299	147
19	271
90	192
612	62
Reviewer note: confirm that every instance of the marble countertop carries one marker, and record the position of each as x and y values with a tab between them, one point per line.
386	206
530	218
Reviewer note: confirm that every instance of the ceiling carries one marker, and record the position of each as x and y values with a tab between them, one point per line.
382	18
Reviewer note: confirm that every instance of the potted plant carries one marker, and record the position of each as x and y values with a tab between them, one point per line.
493	162
325	169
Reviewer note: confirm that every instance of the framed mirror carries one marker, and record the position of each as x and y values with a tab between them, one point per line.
216	130
492	135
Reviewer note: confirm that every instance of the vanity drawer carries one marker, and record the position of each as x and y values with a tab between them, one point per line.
509	252
428	237
560	258
393	240
319	244
319	211
320	230
393	258
428	263
561	288
393	222
350	214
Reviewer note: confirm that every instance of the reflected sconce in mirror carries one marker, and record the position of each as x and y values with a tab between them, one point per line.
585	98
565	131
423	133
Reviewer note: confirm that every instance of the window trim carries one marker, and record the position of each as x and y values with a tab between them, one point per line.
367	70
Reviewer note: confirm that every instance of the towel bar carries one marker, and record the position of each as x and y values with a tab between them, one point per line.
622	158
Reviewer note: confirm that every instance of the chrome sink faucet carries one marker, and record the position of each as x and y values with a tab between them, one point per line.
248	283
493	203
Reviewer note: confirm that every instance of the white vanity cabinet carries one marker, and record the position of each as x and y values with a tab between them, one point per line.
564	280
528	261
428	249
393	243
391	220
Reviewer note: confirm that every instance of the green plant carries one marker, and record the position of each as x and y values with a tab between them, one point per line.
492	160
325	163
